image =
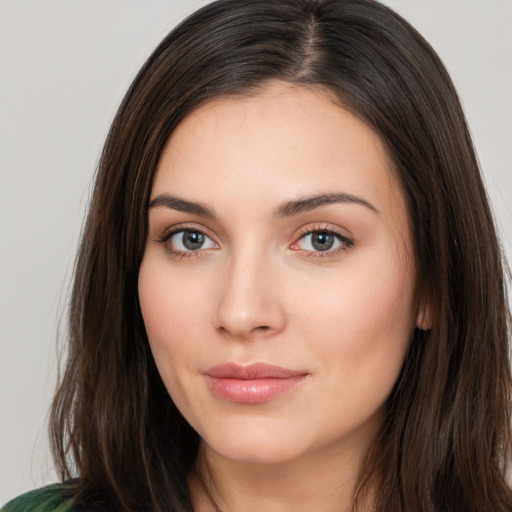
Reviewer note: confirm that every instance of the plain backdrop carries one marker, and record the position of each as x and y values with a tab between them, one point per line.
64	67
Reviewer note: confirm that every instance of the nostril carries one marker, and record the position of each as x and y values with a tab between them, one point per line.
261	329
245	309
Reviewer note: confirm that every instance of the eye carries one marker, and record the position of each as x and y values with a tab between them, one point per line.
322	241
188	240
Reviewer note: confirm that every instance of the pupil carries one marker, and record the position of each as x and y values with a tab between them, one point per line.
322	241
193	240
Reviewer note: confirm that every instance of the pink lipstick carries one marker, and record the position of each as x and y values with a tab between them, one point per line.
252	384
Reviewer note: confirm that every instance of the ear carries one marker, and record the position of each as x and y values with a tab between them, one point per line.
424	317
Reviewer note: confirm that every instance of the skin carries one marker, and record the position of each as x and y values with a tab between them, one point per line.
258	290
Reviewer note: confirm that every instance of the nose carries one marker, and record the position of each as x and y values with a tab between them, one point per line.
249	301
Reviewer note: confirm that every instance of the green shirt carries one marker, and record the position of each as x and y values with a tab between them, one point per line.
52	498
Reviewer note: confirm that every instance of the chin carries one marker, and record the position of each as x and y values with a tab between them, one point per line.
267	454
255	446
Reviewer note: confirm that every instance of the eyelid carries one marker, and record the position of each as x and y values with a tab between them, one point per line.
321	228
347	241
170	231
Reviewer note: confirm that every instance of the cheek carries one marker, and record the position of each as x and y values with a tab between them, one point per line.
371	308
174	317
173	314
360	325
170	302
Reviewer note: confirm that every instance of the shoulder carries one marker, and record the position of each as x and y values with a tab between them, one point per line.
52	498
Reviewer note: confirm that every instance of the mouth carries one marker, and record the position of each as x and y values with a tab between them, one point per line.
252	384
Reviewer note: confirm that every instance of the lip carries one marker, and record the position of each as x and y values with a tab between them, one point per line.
251	384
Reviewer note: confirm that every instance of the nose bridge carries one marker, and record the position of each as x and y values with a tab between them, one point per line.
248	301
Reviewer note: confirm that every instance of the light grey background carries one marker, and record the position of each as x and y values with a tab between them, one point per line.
64	66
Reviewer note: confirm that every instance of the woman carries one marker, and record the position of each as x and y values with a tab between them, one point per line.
289	293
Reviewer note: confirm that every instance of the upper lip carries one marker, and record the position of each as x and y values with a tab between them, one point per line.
252	371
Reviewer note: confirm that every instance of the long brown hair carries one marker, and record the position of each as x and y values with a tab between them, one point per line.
445	441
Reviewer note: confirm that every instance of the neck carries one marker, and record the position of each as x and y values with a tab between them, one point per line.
318	481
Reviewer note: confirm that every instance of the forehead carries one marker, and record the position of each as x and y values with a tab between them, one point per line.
284	141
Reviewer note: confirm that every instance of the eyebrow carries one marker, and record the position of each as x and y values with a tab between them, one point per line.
286	209
306	204
182	205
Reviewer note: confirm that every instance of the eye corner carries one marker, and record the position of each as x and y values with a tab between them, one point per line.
330	242
178	247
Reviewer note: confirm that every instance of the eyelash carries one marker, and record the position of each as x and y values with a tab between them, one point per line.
345	242
175	253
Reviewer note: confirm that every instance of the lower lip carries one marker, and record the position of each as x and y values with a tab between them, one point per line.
251	391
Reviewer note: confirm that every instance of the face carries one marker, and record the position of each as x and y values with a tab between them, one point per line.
277	282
